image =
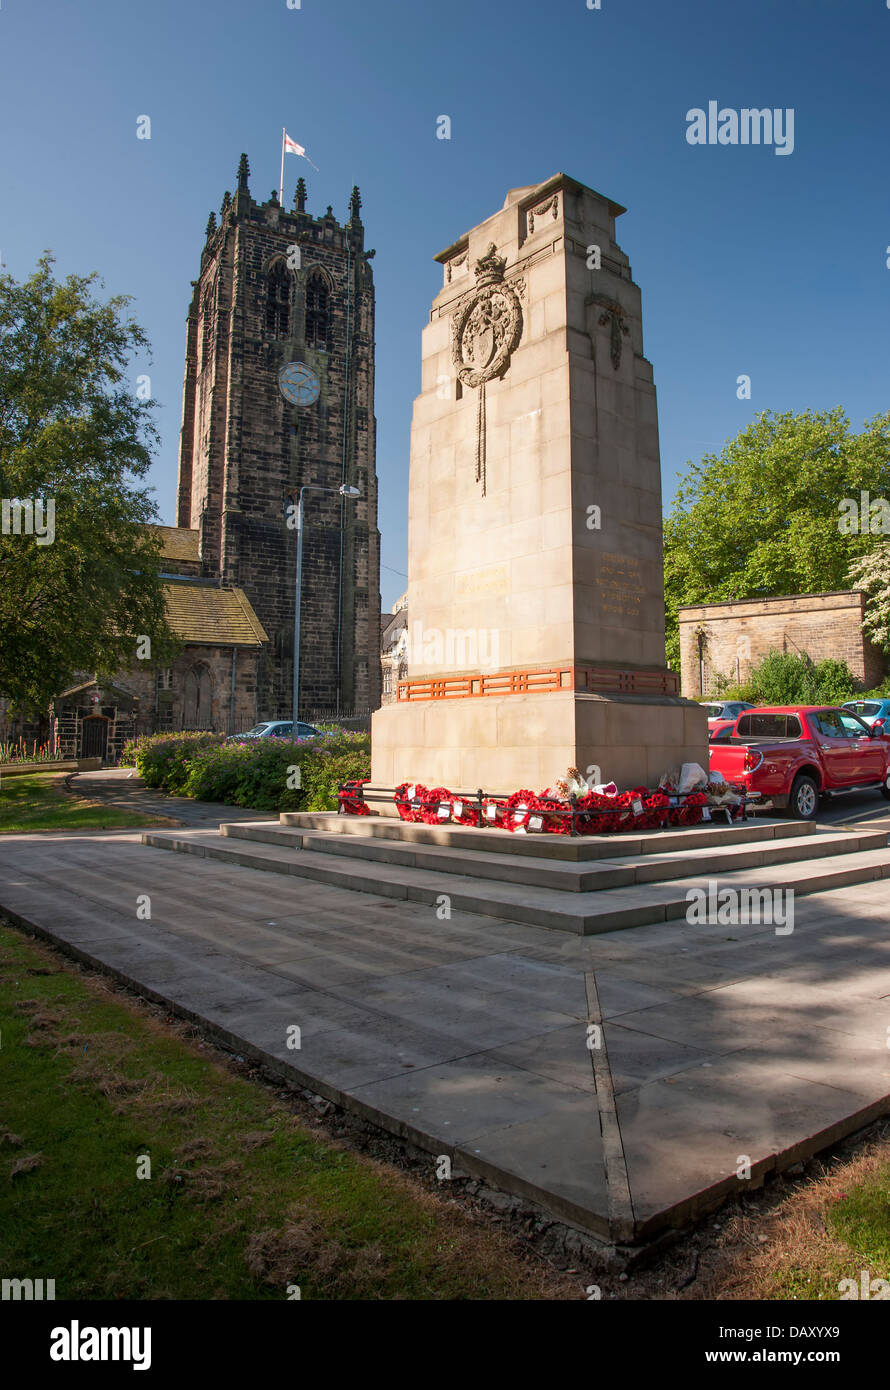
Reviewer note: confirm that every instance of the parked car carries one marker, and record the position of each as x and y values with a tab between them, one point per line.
790	755
872	712
278	728
725	710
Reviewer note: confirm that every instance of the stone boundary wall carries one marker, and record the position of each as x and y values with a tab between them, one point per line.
738	635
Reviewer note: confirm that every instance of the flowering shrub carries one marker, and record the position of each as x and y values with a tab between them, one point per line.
163	760
132	746
345	758
266	774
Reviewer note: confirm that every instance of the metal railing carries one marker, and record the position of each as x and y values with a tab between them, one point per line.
539	680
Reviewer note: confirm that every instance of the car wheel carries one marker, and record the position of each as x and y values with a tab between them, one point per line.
885	789
804	800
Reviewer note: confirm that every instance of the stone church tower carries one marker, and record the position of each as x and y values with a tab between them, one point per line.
284	290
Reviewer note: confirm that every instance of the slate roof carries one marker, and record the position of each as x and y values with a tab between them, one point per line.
95	684
215	617
178	543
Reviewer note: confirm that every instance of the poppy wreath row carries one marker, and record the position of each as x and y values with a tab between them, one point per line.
350	798
525	811
433	806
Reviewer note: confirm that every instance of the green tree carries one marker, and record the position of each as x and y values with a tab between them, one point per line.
73	434
871	573
764	516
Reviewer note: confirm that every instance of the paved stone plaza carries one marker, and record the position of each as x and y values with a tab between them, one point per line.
470	1036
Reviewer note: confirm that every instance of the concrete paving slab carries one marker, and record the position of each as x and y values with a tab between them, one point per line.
686	1136
636	1058
462	1100
483	1018
620	995
377	1049
556	1159
470	1034
562	1054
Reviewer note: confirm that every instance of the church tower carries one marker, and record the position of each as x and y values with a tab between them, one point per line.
279	395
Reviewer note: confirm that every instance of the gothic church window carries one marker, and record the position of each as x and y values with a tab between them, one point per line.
278	301
317	313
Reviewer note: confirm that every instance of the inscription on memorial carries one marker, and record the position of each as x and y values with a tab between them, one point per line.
622	585
495	580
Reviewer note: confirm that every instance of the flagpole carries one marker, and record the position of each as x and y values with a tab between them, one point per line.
281	183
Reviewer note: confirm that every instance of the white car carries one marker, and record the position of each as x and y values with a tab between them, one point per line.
277	728
725	709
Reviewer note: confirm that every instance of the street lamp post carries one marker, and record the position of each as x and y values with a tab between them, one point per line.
345	490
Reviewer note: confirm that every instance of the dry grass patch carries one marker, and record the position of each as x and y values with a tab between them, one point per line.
26	1164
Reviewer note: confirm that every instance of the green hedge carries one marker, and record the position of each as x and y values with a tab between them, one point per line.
783	678
264	774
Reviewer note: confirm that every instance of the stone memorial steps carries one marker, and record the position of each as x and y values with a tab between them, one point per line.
577	847
623	868
634	890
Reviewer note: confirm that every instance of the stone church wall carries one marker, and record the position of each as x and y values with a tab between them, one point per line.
246	450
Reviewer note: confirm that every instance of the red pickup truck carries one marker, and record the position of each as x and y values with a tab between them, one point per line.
790	755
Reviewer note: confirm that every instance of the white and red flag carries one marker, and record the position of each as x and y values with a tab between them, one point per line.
289	146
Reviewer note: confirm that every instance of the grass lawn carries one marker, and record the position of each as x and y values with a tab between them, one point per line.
831	1228
39	801
244	1198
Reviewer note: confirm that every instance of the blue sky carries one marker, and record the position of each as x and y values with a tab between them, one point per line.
749	262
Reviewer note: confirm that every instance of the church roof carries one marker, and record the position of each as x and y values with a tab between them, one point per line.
96	684
178	542
205	614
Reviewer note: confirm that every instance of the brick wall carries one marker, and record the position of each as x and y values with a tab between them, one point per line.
738	635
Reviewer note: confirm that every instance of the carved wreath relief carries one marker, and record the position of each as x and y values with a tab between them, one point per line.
613	315
551	206
486	329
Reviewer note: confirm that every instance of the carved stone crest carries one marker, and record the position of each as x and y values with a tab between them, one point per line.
485	332
488	324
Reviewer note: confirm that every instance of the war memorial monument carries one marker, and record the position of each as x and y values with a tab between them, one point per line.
535	595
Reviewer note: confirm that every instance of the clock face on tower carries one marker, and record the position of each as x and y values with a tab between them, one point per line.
298	383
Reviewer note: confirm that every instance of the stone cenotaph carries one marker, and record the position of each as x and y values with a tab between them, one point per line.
535	593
